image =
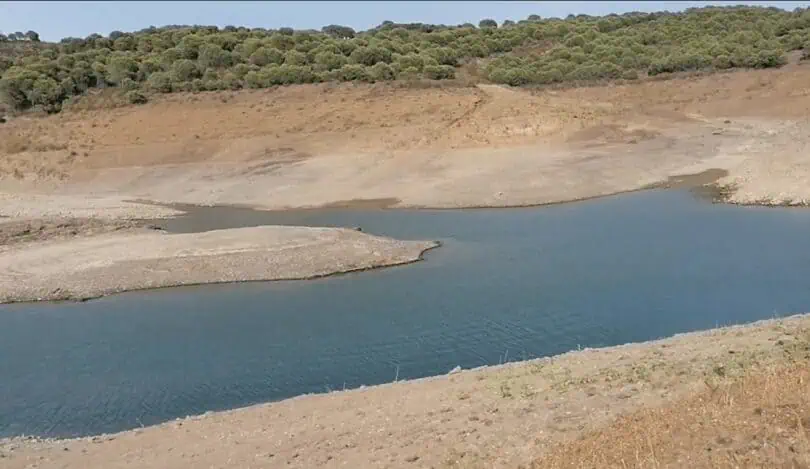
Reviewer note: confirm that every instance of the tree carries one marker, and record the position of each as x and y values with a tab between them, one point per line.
330	60
184	70
439	72
47	93
354	72
371	55
294	57
487	23
115	35
213	56
121	68
32	36
160	82
339	32
3	38
381	71
266	56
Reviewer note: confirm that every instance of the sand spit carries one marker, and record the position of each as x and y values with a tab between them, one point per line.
89	267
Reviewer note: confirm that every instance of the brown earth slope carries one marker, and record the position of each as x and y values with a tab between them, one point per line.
441	147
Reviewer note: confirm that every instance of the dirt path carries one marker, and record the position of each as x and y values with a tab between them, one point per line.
496	417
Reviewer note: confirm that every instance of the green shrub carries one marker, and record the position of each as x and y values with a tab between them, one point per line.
213	56
289	74
121	68
444	56
371	55
266	56
414	61
295	57
382	72
330	61
184	70
46	93
354	72
439	72
160	82
136	97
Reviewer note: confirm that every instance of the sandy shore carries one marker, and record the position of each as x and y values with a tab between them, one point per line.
494	417
92	266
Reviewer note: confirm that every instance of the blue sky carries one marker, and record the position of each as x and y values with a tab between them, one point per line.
55	20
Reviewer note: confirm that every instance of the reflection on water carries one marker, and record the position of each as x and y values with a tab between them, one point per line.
515	283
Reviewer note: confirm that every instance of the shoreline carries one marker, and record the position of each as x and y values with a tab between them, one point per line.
688	357
703	185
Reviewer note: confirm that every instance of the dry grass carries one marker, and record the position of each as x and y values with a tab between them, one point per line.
109	98
760	420
26	141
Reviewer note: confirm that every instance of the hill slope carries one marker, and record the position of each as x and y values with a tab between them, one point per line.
533	51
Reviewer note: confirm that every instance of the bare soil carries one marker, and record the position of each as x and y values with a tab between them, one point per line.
313	145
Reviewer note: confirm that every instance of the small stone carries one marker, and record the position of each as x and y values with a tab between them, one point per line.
412	459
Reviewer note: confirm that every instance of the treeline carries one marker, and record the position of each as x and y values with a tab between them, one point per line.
532	51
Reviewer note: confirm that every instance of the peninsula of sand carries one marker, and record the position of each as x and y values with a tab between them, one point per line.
76	187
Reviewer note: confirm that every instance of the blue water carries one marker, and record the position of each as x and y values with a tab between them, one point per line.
506	284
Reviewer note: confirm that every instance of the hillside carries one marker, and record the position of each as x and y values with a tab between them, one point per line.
534	51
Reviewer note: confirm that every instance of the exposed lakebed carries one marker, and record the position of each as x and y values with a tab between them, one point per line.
507	284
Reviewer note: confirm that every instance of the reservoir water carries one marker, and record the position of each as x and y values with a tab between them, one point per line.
507	284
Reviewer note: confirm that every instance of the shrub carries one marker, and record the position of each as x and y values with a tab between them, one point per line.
289	74
160	82
439	72
330	61
370	55
382	72
185	70
354	72
213	56
46	93
444	56
265	56
414	61
136	97
294	57
121	68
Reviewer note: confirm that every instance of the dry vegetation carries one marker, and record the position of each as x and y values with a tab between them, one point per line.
760	420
